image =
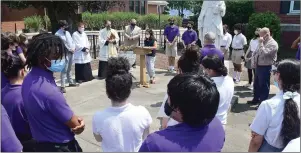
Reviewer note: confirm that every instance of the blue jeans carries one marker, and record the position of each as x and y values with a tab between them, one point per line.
265	147
150	65
262	83
67	71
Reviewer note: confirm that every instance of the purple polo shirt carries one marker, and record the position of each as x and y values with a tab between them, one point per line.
171	32
4	80
298	53
9	140
12	101
184	138
19	50
189	36
46	107
211	50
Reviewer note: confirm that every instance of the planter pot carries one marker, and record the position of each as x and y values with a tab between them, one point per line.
31	30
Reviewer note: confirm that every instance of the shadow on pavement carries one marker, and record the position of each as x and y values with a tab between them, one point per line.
158	104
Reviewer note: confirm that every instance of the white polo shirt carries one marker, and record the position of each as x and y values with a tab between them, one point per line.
269	117
254	45
293	146
226	41
121	128
225	87
239	41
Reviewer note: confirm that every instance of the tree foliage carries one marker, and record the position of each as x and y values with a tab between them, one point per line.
180	6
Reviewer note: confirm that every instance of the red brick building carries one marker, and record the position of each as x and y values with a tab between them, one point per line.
289	14
12	19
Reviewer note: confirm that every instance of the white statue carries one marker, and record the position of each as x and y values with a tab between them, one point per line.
210	20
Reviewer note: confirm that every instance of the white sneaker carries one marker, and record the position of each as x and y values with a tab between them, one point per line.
250	86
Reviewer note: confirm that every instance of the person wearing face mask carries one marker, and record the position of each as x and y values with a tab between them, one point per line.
52	123
11	99
193	101
277	120
82	58
252	48
239	44
108	39
189	37
150	42
218	72
171	34
64	34
189	62
132	34
17	50
226	41
262	60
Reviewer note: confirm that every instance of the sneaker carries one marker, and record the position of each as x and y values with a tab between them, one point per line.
173	71
63	89
152	81
236	81
73	84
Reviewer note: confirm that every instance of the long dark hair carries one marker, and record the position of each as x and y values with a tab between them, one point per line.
151	33
213	62
289	71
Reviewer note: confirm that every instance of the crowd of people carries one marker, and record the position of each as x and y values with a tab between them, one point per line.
37	117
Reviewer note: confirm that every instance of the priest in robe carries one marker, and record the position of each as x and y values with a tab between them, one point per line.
82	57
108	39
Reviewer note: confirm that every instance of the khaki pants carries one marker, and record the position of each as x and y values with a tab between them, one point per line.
171	51
226	53
236	56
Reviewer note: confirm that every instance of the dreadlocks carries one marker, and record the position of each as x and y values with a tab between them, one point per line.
43	46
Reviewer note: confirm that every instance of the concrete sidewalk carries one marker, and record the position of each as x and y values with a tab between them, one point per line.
91	97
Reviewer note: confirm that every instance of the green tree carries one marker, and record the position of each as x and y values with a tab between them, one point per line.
63	10
180	6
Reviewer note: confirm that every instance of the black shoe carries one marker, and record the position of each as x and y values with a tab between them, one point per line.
253	102
63	90
73	84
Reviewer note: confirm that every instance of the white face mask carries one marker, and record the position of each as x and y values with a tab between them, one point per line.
26	42
235	32
81	29
147	36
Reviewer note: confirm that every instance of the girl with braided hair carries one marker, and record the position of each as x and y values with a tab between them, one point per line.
52	122
277	120
11	99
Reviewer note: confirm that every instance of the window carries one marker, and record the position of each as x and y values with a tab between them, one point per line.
132	6
137	9
295	6
143	7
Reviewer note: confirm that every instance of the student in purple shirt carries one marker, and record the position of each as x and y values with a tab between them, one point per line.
17	49
171	34
12	101
192	101
189	37
209	47
9	141
52	122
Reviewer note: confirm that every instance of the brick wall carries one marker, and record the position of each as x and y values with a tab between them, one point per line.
274	6
152	9
10	26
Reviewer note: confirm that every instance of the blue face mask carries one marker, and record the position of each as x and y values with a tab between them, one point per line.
57	65
276	84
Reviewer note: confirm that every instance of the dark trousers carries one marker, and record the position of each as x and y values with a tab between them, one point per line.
71	146
262	83
250	75
27	142
102	69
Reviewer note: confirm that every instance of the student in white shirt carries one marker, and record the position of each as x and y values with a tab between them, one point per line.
123	126
82	58
216	70
226	42
252	49
277	120
239	43
293	146
189	62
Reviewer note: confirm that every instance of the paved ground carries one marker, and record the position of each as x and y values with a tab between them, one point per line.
91	97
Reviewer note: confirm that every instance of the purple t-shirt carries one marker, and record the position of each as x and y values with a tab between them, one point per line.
184	138
189	36
171	32
211	50
4	80
9	140
19	50
12	101
46	107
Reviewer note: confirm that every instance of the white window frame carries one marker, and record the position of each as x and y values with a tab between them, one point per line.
292	8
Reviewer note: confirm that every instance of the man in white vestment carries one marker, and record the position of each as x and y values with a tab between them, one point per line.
108	39
210	20
132	34
82	58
